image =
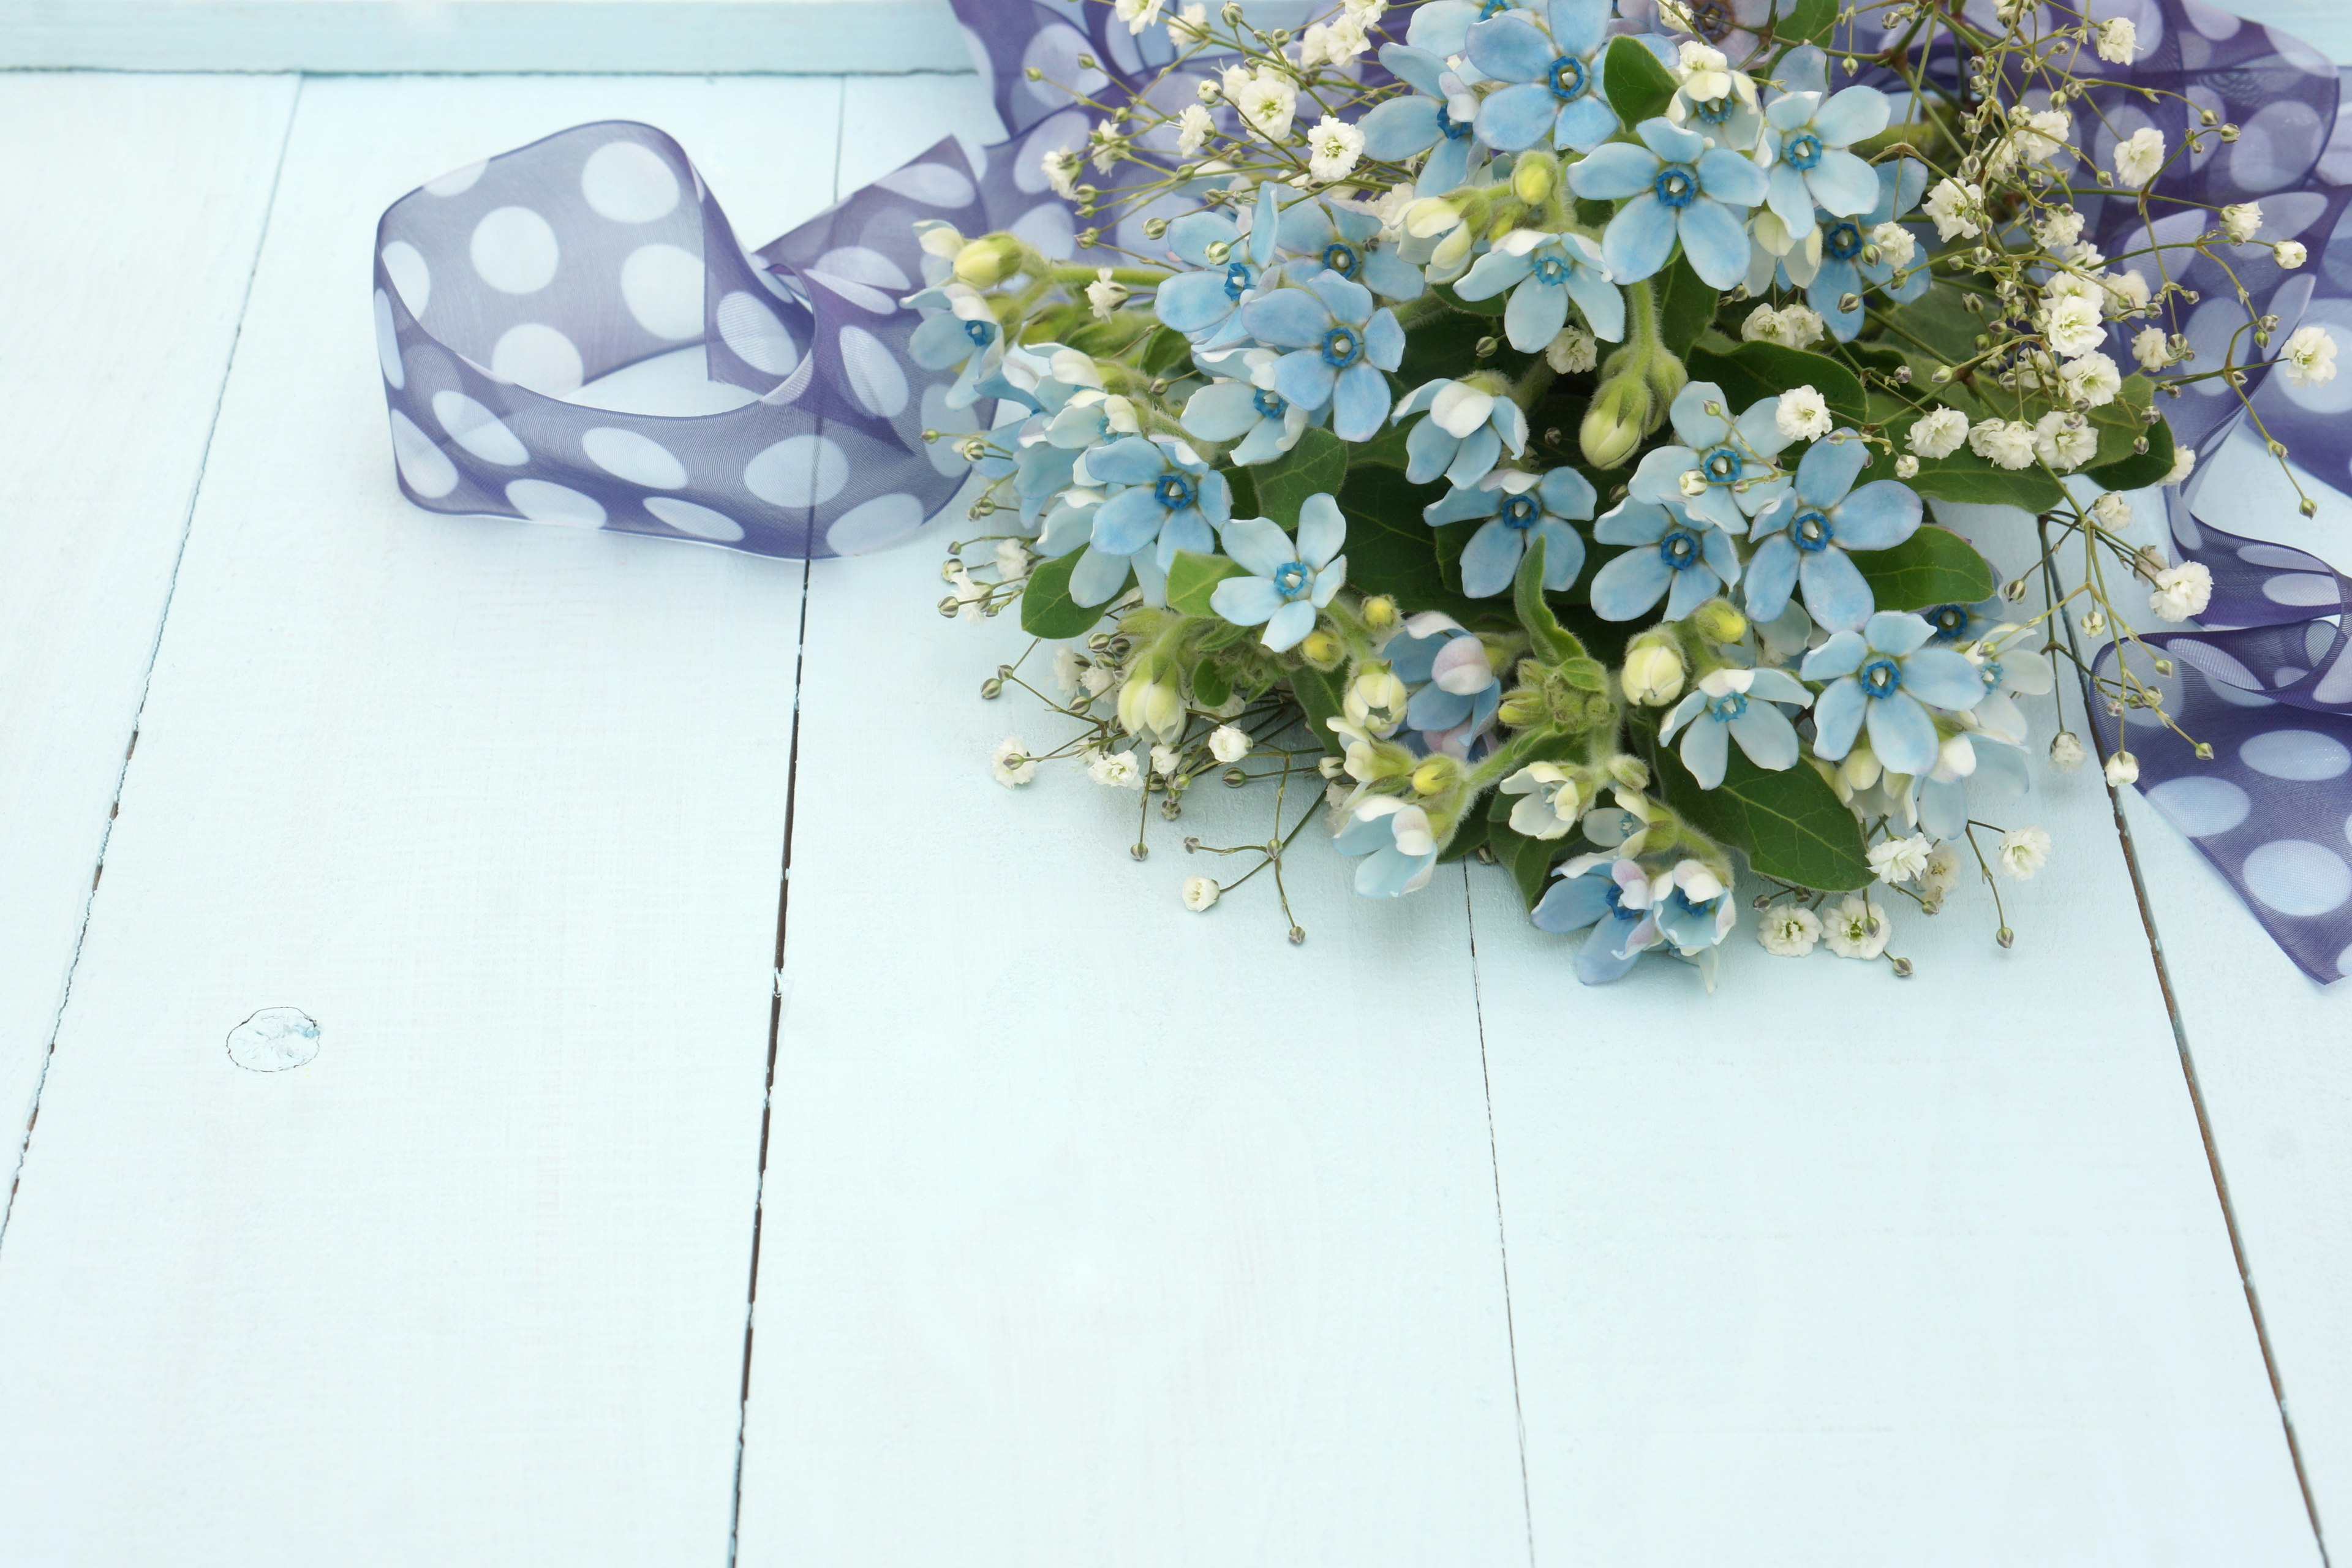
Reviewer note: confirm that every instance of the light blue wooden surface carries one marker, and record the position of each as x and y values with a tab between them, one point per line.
1462	1264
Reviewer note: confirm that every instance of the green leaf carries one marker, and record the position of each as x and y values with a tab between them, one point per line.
1211	684
1528	860
1638	86
1319	692
1934	566
1447	343
1493	305
2135	470
1965	477
1046	608
1466	838
1390	550
1753	372
1166	350
1939	321
1386	450
1553	642
1193	577
1316	465
1244	486
1686	305
1790	824
1810	23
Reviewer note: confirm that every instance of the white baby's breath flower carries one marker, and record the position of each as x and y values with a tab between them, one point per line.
1068	667
1117	769
1896	245
1573	351
2139	156
2059	229
2112	509
1191	24
2182	591
1855	929
2123	768
1899	859
1164	760
1941	874
1200	892
2290	253
1228	744
1060	168
1906	467
2126	292
2117	39
970	597
2066	751
2091	379
1267	101
1138	14
1105	294
2308	357
2240	220
1011	560
1957	209
1096	679
2003	443
1333	146
2072	324
1939	434
1335	42
1789	931
2184	462
1192	128
1763	326
2065	441
1803	414
1012	762
2022	852
1801	327
2149	347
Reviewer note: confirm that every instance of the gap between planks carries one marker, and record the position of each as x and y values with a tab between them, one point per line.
147	680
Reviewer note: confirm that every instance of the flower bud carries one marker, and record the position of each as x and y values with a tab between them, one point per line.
1380	614
1321	649
1615	423
1631	771
1654	671
1718	622
986	262
1533	178
1434	775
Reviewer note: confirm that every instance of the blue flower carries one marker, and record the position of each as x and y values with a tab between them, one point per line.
1206	305
1957	624
1887	677
1734	458
1937	800
1348	242
1694	909
1339	345
1736	705
1467	428
1442	27
2006	666
1435	118
1170	495
1457	689
1099	573
960	333
1399	840
1671	551
1557	85
1844	269
1805	138
1517	508
1614	897
1544	271
1679	188
1292	582
1808	532
1262	421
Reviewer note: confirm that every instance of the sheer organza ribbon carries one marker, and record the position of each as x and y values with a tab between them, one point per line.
503	287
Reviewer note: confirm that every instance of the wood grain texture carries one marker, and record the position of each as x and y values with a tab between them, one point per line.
1831	1268
681	37
1046	1278
501	808
134	207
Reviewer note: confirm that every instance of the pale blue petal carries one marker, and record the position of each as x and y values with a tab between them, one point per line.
1716	241
1693	423
1287	319
1584	124
1598	962
1347	299
1392	276
1491	559
1896	632
1721	555
1509	48
1193	301
1879	516
1729	176
1417	68
1771	576
1602	304
1835	595
1460	505
1448	167
1475	458
1944	678
1260	545
1441	26
1612	173
1099	575
1305	377
1322	532
1246	601
1360	405
1658	476
1630	584
1564	493
1563	553
1221	410
1640	238
1670	141
1492	273
1534	317
1691	588
1571	903
1428	448
1768	685
1842	655
1854	114
1578	26
1765	733
1384	341
1706	750
1129	460
1843	184
1289	626
1128	521
1434	708
1828	469
1785	192
1902	734
1517	117
1632	523
1190	236
1837	720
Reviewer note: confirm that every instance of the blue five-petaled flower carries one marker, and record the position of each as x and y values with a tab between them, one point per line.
1674	555
1469	426
1339	346
1170	496
1611	896
1205	304
1736	705
1435	119
1846	266
1807	532
1732	456
1290	582
1674	185
1805	140
1544	272
1556	81
1885	676
1400	842
1518	509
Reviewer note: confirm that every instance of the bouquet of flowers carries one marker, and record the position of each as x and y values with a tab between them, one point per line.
1524	428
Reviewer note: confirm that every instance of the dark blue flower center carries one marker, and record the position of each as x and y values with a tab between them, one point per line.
1493	8
1269	405
1237	280
1728	706
1802	152
1550	269
1341	347
1715	111
1679	548
1949	621
1174	491
1810	529
1842	242
1571	79
1454	130
1341	257
1880	676
981	332
1682	901
1721	465
1991	675
1677	185
1519	511
1291	579
1615	899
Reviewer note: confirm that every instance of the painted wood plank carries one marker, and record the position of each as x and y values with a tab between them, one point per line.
1051	1271
684	36
114	353
1834	1268
501	808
